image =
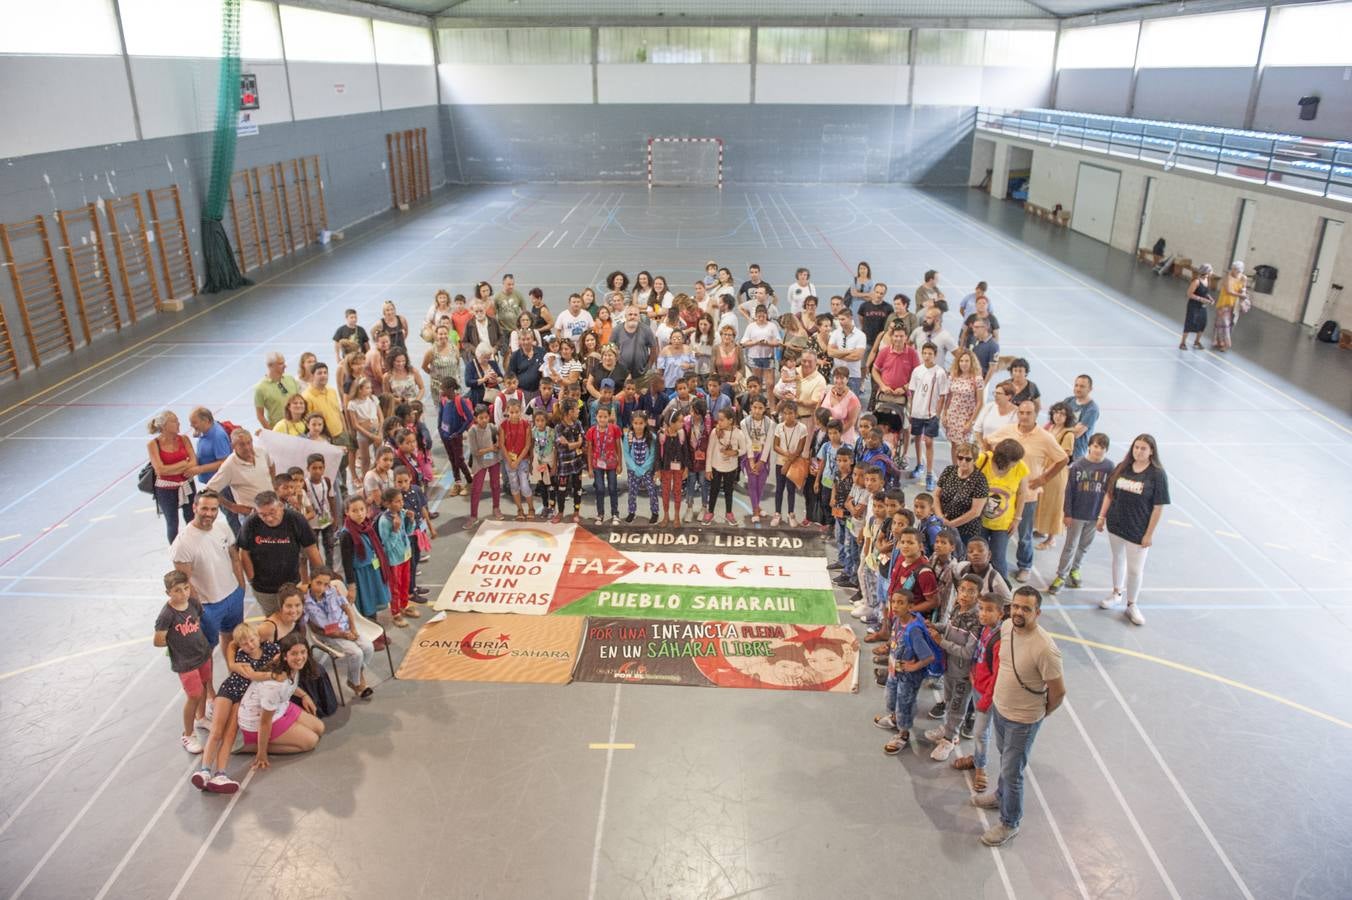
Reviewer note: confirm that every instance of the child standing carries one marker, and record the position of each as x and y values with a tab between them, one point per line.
510	392
908	656
603	459
516	461
1087	481
790	446
485	452
178	627
568	476
823	470
958	640
457	415
673	460
698	426
759	433
544	461
415	504
364	563
927	393
927	521
727	446
985	665
319	490
395	527
640	460
846	550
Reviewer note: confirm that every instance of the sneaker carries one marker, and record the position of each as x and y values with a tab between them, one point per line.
600	520
880	676
886	722
614	520
792	522
859	610
998	835
842	580
1134	614
919	467
203	723
968	727
1074	579
774	521
629	519
191	744
222	783
986	801
1110	601
730	519
755	519
652	520
834	567
938	710
943	750
707	517
1057	583
1021	576
934	735
200	778
929	482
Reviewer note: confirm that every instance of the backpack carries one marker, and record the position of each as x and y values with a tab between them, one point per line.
936	667
1329	332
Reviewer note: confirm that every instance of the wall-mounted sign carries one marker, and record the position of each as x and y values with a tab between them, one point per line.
248	91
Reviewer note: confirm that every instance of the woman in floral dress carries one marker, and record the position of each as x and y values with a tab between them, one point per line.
965	389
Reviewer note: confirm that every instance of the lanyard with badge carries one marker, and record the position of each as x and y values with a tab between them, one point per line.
321	504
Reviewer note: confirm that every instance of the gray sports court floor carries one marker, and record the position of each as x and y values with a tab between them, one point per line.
1203	755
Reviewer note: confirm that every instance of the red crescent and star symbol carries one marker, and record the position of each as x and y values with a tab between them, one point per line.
467	649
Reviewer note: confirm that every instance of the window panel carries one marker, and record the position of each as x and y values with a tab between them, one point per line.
260	34
1025	49
314	36
402	45
1099	47
515	46
1309	36
949	47
1220	39
836	46
172	27
674	45
74	27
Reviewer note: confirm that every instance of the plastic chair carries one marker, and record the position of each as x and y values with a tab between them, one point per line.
316	641
375	633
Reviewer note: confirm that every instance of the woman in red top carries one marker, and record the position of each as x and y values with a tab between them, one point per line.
175	464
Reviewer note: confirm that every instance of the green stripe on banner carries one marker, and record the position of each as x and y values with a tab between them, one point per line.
664	601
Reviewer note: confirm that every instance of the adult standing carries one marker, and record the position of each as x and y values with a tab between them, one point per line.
1044	459
961	492
843	404
994	416
1194	319
932	331
525	364
891	373
174	461
441	362
483	376
968	304
1086	412
573	322
246	473
847	347
901	317
928	293
213	447
403	383
1234	288
985	346
811	388
1005	473
638	348
965	390
272	392
819	342
760	340
322	399
862	286
1138	491
481	329
276	546
874	313
1028	688
205	551
508	304
541	319
1018	380
753	282
391	323
1050	519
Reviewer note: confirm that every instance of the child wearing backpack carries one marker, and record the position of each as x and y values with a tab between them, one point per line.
910	658
985	665
457	415
958	641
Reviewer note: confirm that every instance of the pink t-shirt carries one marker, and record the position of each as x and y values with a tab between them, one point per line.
842	409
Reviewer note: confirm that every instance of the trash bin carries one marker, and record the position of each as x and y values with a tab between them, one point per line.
1263	278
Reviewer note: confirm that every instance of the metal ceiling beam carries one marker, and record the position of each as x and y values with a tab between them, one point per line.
1170	10
368	10
1031	24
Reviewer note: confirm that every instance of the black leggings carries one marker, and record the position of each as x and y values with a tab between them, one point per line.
565	486
723	483
781	482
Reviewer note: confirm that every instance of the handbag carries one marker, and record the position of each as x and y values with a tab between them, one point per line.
320	689
490	393
428	333
424	541
145	479
797	472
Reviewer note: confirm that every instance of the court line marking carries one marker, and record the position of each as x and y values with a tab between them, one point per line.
603	746
93	798
211	835
605	794
1056	833
1202	673
995	851
140	838
69	656
62	764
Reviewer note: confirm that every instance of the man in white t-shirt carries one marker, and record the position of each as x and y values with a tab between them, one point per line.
928	390
247	471
760	339
801	289
847	346
932	331
573	322
205	551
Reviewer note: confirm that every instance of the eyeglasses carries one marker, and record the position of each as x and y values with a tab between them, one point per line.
964	458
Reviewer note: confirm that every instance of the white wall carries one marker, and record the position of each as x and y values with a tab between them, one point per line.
836	85
1198	215
947	86
404	87
463	84
61	102
1015	86
675	83
316	92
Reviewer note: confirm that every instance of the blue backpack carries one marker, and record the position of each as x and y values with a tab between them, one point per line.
936	667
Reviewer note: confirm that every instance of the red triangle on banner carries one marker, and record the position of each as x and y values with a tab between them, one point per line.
591	564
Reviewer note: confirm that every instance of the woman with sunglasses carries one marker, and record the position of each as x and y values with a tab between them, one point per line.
961	493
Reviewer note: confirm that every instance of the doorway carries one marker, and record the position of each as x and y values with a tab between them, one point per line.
1147	205
1321	276
1243	229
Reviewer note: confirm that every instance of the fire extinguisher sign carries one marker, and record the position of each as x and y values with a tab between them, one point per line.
248	91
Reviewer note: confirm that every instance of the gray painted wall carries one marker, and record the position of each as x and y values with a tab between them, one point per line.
786	143
351	150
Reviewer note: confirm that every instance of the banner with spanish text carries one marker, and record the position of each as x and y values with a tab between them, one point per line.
480	647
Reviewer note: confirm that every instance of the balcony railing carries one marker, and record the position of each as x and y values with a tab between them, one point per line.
1290	162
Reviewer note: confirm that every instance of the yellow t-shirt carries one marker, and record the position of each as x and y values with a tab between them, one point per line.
1231	288
1004	492
295	429
326	403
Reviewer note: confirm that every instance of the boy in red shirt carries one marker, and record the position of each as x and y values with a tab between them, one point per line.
910	572
985	665
603	458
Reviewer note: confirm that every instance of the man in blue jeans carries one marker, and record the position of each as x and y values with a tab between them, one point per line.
1028	688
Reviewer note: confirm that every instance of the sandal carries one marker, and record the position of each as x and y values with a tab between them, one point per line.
1045	545
521	517
400	622
412	612
897	744
979	781
963	763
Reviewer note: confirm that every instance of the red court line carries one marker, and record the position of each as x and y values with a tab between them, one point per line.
159	403
514	255
50	528
843	263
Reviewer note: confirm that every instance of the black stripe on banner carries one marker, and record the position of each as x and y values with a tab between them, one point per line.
753	542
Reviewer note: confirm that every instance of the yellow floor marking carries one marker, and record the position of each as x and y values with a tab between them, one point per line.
10	537
610	746
1275	546
103	518
1202	673
1180	523
70	656
1229	534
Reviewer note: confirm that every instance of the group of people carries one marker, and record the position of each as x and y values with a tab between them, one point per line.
1231	301
681	394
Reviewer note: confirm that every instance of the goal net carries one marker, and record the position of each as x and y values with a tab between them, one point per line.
685	161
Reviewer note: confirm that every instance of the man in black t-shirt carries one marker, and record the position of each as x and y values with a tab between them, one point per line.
873	313
350	330
747	290
276	546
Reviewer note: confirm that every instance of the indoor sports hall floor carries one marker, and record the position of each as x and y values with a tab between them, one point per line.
1203	755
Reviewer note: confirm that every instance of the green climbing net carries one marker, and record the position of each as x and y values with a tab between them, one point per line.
222	273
